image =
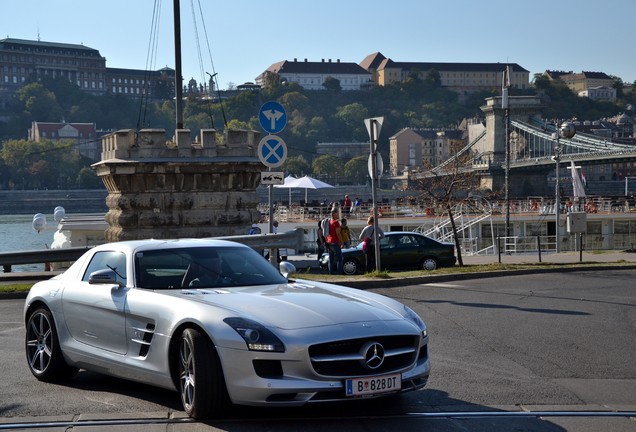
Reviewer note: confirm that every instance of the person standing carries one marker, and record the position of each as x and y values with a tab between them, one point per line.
346	207
357	205
367	236
275	231
320	241
255	229
345	233
334	244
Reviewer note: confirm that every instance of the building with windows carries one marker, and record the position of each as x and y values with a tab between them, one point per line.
578	82
86	137
312	75
417	149
460	77
599	93
23	61
136	83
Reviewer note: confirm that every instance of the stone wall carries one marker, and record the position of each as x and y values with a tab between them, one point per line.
177	189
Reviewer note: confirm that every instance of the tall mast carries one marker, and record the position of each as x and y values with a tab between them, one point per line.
178	78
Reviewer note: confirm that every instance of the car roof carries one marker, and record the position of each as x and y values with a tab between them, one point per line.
132	246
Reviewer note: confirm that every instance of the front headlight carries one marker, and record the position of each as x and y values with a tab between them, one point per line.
257	337
417	320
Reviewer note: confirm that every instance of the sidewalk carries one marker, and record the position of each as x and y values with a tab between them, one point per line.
311	261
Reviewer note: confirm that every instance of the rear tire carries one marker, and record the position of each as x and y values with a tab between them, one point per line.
430	264
44	355
201	383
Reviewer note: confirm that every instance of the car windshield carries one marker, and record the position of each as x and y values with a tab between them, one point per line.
203	267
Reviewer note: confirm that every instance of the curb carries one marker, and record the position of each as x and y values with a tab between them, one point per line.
417	280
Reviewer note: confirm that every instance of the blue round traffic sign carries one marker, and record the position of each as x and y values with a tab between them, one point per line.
272	117
272	151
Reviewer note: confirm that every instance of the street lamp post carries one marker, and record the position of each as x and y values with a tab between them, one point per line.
566	130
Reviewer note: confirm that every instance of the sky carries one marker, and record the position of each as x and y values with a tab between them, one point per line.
239	39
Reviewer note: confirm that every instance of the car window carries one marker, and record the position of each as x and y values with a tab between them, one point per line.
406	241
424	241
115	261
203	267
387	242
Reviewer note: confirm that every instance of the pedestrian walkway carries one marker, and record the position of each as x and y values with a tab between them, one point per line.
555	258
311	260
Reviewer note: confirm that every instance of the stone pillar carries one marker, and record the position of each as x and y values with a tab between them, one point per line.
164	189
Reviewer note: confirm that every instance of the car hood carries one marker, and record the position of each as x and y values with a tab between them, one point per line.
300	304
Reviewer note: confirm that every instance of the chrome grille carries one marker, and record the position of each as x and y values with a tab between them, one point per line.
346	358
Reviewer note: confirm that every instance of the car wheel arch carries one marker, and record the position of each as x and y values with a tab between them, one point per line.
173	349
33	307
46	350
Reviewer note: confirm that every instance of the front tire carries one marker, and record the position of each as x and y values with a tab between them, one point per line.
201	382
44	355
430	264
350	267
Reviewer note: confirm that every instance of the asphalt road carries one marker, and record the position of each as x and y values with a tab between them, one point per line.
544	342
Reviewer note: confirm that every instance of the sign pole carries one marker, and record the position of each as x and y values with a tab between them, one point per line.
271	208
373	127
272	151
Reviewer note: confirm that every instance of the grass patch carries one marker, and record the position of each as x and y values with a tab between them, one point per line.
18	287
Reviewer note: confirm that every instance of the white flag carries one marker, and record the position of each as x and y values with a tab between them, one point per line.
577	184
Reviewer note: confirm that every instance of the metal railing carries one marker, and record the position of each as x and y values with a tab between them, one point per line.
547	243
291	239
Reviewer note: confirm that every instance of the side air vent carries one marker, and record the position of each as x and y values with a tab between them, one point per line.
145	340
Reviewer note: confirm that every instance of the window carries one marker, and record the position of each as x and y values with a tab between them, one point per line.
115	261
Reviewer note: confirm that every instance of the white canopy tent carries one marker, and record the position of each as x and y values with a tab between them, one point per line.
289	180
306	183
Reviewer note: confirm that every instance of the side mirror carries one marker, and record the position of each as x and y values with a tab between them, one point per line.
104	277
286	268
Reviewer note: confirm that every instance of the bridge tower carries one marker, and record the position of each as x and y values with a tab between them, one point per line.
493	145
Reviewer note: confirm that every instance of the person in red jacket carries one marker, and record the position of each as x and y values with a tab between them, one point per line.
334	244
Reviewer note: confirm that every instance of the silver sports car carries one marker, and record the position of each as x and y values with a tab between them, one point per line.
218	323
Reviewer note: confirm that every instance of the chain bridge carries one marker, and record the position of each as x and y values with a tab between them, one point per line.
532	144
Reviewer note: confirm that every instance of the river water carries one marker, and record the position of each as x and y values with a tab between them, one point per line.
17	234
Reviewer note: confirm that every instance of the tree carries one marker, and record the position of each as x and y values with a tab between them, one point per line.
293	101
357	168
296	166
87	179
41	164
39	102
447	185
353	115
618	86
327	165
332	84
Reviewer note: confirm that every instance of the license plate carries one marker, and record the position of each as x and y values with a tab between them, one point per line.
373	385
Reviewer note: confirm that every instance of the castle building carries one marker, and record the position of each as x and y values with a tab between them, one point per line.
460	77
312	75
23	61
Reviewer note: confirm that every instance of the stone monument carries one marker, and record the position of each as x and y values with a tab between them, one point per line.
179	189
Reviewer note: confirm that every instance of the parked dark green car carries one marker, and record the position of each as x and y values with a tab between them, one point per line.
400	250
